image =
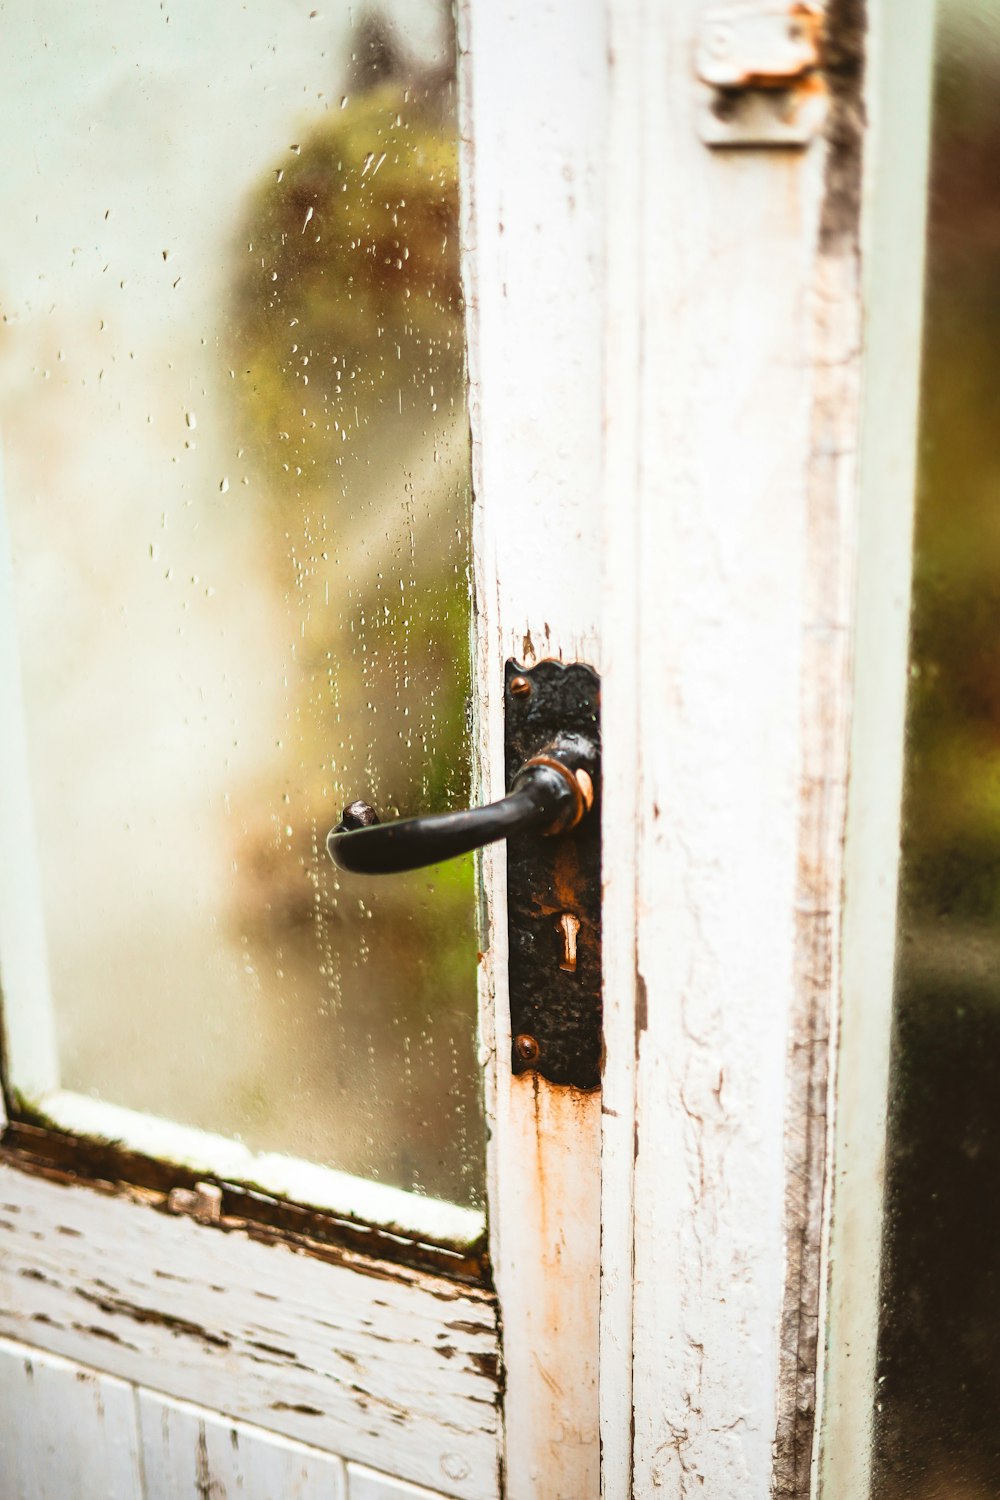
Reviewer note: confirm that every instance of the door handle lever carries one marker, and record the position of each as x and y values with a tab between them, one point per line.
549	794
552	739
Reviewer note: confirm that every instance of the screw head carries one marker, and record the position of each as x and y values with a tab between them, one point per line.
720	42
357	815
527	1048
520	687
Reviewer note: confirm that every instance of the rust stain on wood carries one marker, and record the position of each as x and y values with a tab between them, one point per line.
95	1331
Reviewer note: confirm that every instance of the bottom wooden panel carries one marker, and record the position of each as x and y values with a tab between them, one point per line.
67	1430
367	1484
64	1431
189	1453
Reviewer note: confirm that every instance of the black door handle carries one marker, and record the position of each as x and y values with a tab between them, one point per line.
549	794
552	739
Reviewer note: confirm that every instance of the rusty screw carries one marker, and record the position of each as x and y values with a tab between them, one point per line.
527	1048
520	687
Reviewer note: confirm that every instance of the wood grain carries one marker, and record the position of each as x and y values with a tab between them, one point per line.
361	1360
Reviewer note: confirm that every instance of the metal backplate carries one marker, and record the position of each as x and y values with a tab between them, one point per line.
554	889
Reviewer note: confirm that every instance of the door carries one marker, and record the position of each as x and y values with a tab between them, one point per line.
269	1182
692	317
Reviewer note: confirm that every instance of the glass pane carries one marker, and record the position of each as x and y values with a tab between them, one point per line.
939	1375
237	506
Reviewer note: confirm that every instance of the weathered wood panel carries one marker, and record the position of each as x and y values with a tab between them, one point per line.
68	1430
366	1484
359	1359
64	1431
190	1454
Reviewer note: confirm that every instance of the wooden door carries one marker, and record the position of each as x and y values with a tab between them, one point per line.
693	334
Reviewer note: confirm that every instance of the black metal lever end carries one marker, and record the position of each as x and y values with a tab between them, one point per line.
551	793
357	815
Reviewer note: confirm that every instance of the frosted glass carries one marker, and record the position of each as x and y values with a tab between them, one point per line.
236	509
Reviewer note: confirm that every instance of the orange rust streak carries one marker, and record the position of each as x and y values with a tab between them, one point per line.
559	1219
566	876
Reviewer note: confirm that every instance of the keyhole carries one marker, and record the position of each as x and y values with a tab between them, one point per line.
569	927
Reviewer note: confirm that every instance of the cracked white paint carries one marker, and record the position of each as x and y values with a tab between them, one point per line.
735	361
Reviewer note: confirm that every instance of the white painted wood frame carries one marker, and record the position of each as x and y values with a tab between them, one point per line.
759	323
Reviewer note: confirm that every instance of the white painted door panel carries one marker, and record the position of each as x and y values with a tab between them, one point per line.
745	380
65	1430
357	1358
187	1452
68	1431
536	84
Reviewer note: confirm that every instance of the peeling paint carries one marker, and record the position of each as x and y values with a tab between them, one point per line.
334	1378
232	1207
119	1306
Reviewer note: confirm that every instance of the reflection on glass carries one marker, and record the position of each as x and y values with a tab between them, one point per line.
237	503
939	1347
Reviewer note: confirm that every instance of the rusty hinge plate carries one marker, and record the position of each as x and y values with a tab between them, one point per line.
758	64
554	890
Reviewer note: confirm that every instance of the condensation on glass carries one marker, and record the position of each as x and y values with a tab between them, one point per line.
236	513
938	1399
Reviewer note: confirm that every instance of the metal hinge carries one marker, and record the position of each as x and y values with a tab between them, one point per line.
758	64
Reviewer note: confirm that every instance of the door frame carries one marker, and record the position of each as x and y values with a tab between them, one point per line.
680	356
